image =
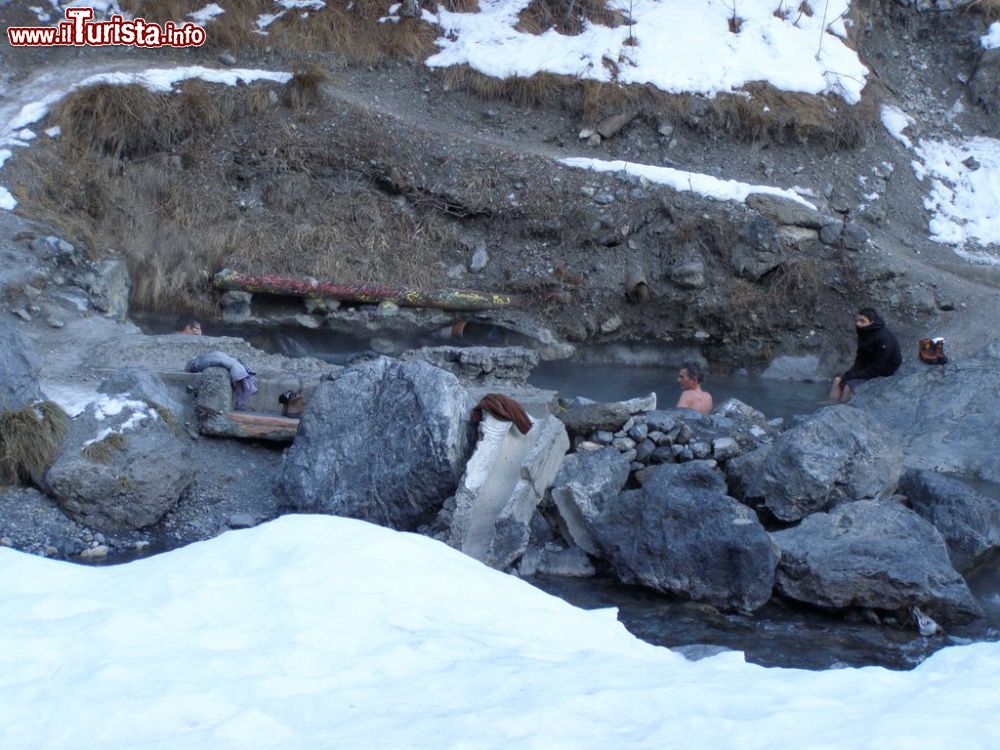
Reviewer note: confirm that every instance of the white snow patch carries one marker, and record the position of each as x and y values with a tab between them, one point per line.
896	121
991	39
301	4
266	19
964	197
7	201
702	184
326	632
675	45
206	14
54	132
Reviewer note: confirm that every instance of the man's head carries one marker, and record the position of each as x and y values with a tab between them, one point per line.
690	376
188	323
866	316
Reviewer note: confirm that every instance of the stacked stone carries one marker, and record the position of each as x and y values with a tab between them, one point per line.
680	435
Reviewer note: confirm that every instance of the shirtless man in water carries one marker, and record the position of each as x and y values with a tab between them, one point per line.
692	396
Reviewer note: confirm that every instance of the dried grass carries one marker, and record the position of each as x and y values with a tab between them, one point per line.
29	441
305	88
568	17
988	8
102	450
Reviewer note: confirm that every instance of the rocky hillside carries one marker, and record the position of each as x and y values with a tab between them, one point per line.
382	159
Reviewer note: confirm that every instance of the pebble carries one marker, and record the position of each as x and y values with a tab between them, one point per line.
6	541
55	322
101	550
22	314
241	521
604	199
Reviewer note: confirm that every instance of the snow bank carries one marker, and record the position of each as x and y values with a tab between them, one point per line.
679	46
317	631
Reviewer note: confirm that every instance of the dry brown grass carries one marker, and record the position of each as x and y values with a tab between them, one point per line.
567	17
102	450
29	441
305	89
459	6
989	8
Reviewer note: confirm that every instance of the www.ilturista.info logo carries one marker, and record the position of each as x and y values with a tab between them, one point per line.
80	30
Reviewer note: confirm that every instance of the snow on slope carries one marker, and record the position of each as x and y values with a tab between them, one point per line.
324	632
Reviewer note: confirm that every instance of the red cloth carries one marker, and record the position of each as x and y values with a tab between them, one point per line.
503	407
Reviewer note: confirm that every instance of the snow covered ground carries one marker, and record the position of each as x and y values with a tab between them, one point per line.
324	632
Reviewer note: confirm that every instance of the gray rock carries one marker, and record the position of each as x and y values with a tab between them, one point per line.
757	251
623	444
784	210
385	442
725	448
638	432
241	521
644	450
612	125
855	236
984	86
479	258
143	385
236	306
939	414
803	368
486	365
839	454
831	233
690	275
968	520
588	418
872	554
127	479
581	489
109	287
681	534
19	367
744	473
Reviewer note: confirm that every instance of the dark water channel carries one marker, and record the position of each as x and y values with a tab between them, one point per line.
779	634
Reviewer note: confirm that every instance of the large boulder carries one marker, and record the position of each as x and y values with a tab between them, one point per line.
141	384
386	442
585	483
837	455
121	466
680	533
942	414
19	368
968	520
586	418
872	554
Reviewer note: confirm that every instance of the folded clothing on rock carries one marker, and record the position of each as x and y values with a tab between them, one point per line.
502	407
241	377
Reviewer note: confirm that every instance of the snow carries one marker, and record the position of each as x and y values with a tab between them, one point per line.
991	39
896	121
964	197
206	14
301	4
792	54
7	201
266	19
317	631
703	184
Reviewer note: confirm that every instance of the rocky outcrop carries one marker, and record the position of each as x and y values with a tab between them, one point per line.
386	442
19	368
985	84
837	455
968	520
873	554
941	413
586	482
121	467
487	365
682	534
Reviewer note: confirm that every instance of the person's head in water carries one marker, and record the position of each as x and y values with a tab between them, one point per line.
188	323
690	376
866	316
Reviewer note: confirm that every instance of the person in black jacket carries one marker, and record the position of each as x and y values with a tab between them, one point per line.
878	355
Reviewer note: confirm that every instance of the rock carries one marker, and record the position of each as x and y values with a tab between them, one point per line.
984	87
938	414
611	126
725	448
141	384
968	520
784	210
511	527
479	258
877	555
19	368
486	365
690	275
581	489
612	324
241	521
804	368
236	306
95	553
386	442
855	236
588	418
743	474
840	454
831	233
109	285
681	534
797	238
757	251
638	432
119	471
